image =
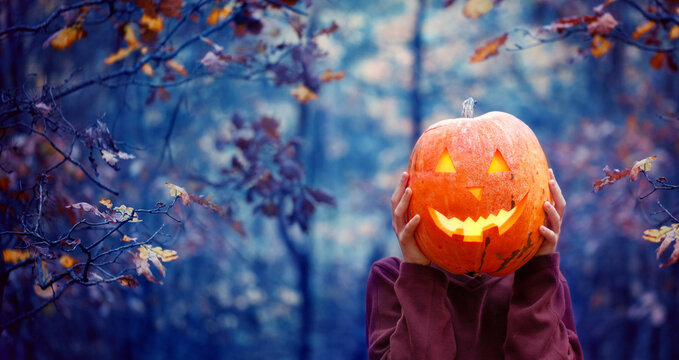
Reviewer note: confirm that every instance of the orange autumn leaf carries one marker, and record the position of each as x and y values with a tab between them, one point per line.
600	46
147	69
219	14
177	67
643	28
303	94
46	293
329	76
65	37
132	45
656	235
473	9
128	281
15	255
674	32
154	24
128	239
67	261
489	49
657	60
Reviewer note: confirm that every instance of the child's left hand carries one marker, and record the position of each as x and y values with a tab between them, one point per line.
554	216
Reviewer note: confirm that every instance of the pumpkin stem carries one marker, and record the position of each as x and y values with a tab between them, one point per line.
468	108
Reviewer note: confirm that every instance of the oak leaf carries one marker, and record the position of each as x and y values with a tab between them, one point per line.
641	165
89	208
303	94
177	67
106	202
213	62
219	14
128	239
128	281
328	30
147	69
179	191
489	49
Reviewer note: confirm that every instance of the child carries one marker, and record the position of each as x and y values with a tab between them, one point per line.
416	310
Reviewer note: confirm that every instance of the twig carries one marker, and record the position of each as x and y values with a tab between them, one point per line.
43	25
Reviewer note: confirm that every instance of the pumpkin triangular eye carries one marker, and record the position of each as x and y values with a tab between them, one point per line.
445	165
498	164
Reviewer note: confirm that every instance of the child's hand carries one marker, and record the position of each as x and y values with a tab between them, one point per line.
405	231
554	216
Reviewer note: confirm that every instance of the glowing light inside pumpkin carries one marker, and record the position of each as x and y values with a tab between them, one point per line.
472	230
445	165
476	191
498	164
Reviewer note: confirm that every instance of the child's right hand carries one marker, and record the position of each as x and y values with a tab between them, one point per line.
405	231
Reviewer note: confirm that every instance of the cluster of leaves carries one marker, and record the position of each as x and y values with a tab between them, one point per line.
53	233
658	32
266	169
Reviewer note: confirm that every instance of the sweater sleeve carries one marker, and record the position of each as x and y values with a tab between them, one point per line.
540	322
406	313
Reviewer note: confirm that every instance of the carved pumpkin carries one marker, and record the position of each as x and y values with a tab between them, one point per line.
479	185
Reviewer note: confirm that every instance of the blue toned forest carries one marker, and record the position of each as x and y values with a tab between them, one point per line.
212	178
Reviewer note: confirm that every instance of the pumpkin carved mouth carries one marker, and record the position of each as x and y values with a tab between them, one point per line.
472	230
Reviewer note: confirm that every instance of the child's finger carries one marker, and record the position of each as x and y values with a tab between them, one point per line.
400	210
398	192
557	195
410	227
549	235
553	216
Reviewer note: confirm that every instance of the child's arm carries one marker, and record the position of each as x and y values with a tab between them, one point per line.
406	314
540	322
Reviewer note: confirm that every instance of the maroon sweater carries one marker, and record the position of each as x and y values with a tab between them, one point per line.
424	312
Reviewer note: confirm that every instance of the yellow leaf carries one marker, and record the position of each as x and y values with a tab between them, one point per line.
67	261
130	37
128	239
473	9
179	191
67	36
643	28
656	235
303	94
15	255
165	254
219	14
488	49
641	165
329	76
47	293
106	202
147	69
674	32
177	67
154	24
600	46
121	54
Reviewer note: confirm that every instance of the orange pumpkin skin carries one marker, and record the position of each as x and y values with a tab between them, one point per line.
446	195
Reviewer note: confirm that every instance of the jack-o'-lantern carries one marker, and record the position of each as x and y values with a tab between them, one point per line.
479	185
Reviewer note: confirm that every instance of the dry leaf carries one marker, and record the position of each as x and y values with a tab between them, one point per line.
303	94
15	255
473	9
65	37
128	239
179	191
67	261
489	49
106	202
219	14
329	76
600	46
657	60
643	28
674	32
177	67
603	25
128	281
641	165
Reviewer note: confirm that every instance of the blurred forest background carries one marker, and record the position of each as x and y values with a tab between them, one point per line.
201	178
